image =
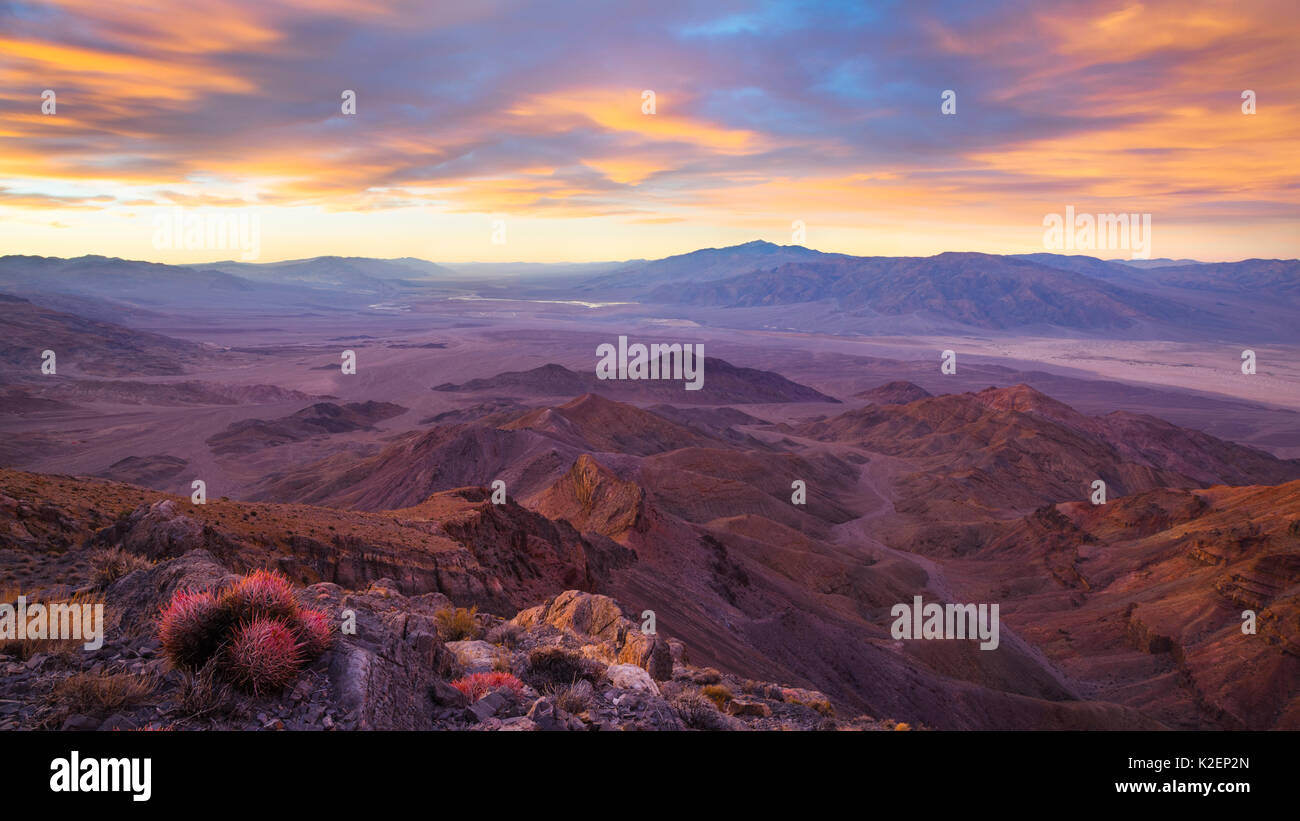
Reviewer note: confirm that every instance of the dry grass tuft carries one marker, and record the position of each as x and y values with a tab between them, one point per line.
457	623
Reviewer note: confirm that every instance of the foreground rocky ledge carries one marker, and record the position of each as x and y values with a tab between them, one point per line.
395	671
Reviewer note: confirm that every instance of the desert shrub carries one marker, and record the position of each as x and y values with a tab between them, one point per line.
457	623
262	593
205	693
808	698
505	634
107	566
93	694
477	685
262	656
697	711
550	667
707	676
253	634
717	693
573	698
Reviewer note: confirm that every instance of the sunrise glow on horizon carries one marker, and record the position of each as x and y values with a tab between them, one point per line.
765	116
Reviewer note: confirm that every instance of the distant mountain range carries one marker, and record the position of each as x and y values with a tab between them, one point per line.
759	284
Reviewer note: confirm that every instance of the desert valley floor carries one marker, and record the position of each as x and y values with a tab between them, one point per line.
964	487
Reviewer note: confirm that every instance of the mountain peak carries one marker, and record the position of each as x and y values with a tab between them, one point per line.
1024	399
898	392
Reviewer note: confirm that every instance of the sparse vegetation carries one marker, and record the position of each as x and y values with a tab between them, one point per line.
97	694
505	634
551	667
204	694
501	663
107	566
457	623
808	698
719	694
87	692
573	698
477	685
697	712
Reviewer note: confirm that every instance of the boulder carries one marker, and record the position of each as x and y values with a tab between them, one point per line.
162	531
548	716
388	672
519	724
631	677
600	618
474	656
489	706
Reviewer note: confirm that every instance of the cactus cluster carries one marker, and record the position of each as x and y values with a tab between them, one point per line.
254	631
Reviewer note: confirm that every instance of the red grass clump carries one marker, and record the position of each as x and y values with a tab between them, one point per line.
254	632
263	656
190	628
477	685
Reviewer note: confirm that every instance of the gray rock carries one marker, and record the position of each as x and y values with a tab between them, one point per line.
474	656
80	722
548	716
445	695
518	724
631	677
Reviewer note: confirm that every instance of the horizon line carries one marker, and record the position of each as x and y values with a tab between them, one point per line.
446	262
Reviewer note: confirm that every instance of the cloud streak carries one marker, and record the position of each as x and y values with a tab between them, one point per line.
765	113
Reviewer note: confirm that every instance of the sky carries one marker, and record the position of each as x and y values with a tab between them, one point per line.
497	130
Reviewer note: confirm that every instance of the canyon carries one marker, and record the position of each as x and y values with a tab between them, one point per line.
824	369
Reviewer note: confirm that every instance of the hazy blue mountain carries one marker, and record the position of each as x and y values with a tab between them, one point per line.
979	290
708	264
